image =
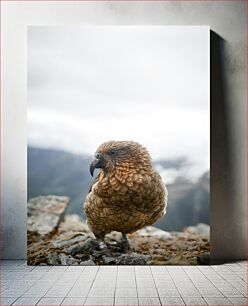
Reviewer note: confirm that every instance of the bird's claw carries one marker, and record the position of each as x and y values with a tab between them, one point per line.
102	245
125	243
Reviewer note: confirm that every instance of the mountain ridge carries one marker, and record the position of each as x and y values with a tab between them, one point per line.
52	171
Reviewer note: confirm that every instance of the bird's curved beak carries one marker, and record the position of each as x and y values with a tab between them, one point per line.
96	163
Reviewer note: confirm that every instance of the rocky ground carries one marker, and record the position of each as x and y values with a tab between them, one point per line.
56	239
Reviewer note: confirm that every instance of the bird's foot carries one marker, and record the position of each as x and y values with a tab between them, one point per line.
125	243
102	245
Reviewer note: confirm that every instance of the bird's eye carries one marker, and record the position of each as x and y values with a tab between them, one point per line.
112	152
97	155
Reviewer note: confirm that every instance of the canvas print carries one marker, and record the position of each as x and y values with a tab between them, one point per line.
118	145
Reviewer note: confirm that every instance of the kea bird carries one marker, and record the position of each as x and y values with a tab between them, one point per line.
127	194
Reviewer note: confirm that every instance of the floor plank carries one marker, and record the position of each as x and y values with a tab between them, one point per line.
124	285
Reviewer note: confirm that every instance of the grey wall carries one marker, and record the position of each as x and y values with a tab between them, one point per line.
227	20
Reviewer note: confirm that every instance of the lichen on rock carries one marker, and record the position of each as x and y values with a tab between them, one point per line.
44	214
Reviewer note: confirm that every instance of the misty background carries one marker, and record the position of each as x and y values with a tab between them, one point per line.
150	84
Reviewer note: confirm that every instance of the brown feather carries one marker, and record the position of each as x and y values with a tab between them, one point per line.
127	194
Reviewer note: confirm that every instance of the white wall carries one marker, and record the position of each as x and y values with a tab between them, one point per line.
228	105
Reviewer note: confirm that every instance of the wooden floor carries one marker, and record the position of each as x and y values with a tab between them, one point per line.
123	285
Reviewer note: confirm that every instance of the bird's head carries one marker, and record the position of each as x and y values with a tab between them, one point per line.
121	155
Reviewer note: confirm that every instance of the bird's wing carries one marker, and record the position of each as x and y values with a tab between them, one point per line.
153	201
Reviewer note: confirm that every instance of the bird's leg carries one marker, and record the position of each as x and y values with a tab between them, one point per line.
100	237
124	242
102	244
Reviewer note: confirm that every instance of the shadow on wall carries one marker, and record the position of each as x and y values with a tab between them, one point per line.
222	207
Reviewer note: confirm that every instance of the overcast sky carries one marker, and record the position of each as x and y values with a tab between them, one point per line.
90	84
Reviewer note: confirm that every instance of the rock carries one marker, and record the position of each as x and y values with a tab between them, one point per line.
67	260
87	263
160	258
204	259
89	245
66	241
151	231
55	239
53	259
133	259
179	234
199	229
44	214
108	260
73	223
